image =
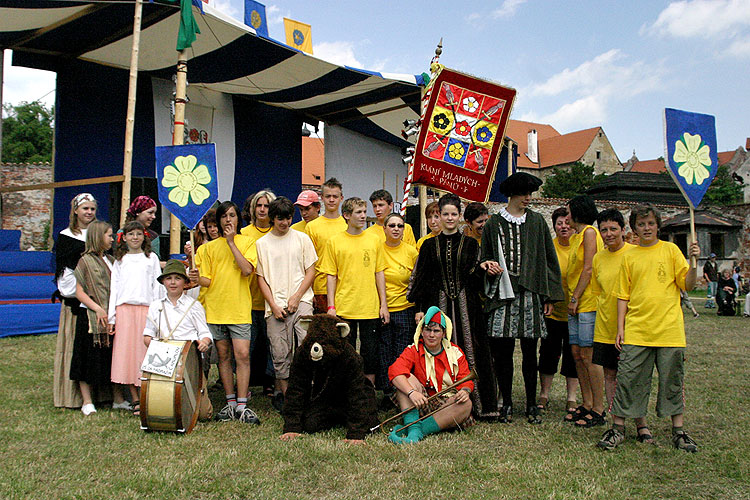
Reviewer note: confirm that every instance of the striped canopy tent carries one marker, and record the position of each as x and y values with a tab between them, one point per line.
227	56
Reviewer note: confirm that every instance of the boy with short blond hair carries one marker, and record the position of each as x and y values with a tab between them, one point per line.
354	265
650	329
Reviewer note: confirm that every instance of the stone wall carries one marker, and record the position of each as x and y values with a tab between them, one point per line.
607	163
29	211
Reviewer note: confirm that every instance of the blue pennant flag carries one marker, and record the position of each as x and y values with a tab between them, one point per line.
691	156
187	180
255	17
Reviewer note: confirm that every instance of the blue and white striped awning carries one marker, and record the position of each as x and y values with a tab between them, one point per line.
227	56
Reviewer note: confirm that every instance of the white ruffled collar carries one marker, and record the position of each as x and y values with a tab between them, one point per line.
512	218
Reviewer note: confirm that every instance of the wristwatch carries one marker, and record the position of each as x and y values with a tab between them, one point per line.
573	300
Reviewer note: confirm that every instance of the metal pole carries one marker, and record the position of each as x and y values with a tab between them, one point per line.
127	163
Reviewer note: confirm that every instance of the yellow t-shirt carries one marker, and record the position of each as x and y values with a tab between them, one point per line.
423	239
399	264
587	300
379	231
354	260
252	232
560	309
605	281
320	231
650	280
200	255
299	226
228	299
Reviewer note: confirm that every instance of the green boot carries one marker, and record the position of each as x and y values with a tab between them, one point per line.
414	432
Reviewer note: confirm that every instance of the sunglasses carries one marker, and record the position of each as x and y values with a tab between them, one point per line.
400	226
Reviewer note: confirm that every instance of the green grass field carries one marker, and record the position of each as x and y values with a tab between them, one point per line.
54	453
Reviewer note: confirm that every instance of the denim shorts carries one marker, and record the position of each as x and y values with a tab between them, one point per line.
581	328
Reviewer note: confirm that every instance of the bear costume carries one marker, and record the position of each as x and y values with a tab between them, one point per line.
327	384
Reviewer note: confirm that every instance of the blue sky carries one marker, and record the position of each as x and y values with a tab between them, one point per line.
575	65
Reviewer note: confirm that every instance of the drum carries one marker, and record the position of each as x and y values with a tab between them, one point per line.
172	403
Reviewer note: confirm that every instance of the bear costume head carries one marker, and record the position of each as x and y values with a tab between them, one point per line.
326	338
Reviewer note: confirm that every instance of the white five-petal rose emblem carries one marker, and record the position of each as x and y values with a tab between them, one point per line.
692	157
470	104
187	181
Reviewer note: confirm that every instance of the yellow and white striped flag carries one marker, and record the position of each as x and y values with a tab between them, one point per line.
298	35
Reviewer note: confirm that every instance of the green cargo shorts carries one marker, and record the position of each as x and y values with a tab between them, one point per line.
634	381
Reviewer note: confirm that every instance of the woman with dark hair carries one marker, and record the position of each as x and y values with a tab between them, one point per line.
582	311
143	210
475	216
523	281
448	274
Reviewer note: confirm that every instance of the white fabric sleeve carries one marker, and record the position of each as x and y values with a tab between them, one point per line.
199	320
66	284
114	285
151	318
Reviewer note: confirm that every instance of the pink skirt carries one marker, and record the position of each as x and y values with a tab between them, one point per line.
128	349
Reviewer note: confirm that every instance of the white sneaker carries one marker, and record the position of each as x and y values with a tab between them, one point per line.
88	409
121	406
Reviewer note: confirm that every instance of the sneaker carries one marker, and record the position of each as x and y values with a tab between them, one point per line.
682	441
124	405
278	402
248	416
611	439
88	409
226	414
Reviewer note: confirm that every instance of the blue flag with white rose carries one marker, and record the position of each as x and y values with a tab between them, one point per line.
691	159
186	176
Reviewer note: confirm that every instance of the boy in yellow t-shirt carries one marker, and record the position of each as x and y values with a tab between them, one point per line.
605	280
650	329
382	205
225	268
354	266
320	231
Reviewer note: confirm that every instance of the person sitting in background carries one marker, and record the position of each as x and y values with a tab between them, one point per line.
425	368
726	292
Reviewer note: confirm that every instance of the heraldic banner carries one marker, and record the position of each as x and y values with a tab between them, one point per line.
186	177
462	136
692	160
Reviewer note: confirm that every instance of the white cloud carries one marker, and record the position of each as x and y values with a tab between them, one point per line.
226	7
590	88
703	18
740	48
26	84
341	53
274	15
507	9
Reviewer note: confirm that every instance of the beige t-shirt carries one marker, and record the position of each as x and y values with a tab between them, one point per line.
282	261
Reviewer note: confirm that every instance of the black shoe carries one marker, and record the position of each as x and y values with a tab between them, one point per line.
278	402
506	415
532	415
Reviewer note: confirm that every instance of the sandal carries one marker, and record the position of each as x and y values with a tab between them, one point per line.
575	414
135	408
591	419
543	403
646	437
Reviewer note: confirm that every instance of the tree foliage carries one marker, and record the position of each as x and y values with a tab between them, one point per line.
723	190
27	133
570	182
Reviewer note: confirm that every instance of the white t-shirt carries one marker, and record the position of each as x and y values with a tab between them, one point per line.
282	261
134	281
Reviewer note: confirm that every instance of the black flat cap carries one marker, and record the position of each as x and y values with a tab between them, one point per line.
520	183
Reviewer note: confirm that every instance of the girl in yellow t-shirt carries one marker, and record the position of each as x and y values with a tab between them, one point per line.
400	258
582	310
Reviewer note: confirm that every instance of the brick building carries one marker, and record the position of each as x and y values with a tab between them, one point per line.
28	211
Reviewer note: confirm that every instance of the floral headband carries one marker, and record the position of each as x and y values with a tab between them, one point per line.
83	198
140	204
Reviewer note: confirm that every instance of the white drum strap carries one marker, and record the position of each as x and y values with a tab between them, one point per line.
166	319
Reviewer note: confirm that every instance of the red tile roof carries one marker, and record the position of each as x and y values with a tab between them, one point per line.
566	148
313	161
725	157
518	131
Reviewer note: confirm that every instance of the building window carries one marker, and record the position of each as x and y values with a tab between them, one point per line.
598	155
717	244
680	239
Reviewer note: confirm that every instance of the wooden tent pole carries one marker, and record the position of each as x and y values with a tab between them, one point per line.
693	260
422	204
178	138
127	163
